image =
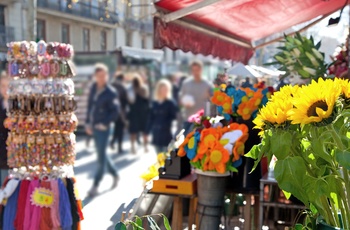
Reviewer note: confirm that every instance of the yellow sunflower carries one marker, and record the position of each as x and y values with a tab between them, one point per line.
315	102
286	92
345	86
275	112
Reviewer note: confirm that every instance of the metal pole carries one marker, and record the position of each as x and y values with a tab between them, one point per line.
188	10
31	20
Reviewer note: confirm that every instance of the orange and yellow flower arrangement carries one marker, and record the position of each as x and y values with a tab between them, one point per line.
214	147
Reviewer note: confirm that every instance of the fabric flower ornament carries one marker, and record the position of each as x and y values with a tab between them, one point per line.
237	97
191	147
219	98
229	139
246	109
237	163
217	159
230	91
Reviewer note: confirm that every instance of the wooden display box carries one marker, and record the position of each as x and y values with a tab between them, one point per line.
185	186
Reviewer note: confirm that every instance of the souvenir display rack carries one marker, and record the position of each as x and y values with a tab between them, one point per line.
40	190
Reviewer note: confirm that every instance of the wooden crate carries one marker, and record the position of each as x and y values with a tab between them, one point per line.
185	186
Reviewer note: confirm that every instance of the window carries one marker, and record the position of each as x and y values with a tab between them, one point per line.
40	29
86	39
65	33
103	40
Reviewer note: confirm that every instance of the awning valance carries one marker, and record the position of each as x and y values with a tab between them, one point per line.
229	29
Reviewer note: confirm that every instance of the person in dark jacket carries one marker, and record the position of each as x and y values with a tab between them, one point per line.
121	121
139	111
102	111
163	113
4	83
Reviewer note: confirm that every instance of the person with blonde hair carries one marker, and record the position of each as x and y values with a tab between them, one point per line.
163	113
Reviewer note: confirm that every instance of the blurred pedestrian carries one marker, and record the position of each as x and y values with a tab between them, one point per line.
102	111
247	83
163	113
4	83
174	87
194	93
121	121
138	112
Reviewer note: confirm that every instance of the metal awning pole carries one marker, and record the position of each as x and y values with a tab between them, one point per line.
188	10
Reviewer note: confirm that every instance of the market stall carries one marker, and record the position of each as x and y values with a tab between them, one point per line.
232	29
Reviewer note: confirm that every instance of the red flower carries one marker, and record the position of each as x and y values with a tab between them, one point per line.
206	124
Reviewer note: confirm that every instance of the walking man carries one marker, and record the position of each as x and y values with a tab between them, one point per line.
102	111
195	93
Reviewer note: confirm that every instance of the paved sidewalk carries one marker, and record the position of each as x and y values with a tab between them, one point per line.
102	212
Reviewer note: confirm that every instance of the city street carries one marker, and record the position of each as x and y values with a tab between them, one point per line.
105	210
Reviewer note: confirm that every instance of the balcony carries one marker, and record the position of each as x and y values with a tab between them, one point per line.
147	27
7	34
79	9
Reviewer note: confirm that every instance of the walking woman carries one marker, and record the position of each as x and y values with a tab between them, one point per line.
163	113
138	112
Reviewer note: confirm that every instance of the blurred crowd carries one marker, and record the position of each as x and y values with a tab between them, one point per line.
123	104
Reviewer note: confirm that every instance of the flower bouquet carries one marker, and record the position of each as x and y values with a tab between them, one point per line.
307	129
240	102
213	150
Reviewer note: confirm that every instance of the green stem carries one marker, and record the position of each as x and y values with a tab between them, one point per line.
346	195
336	138
328	215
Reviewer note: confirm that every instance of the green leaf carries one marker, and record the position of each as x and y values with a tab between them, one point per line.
343	158
231	168
138	221
120	226
313	209
166	223
298	227
286	194
290	175
281	144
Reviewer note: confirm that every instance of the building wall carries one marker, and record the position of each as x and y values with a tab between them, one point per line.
54	32
14	17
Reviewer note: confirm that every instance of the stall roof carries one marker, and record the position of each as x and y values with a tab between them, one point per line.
229	29
143	54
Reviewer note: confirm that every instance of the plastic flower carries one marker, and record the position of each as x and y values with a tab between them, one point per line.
183	149
217	159
219	98
227	105
208	139
246	109
315	102
191	147
239	94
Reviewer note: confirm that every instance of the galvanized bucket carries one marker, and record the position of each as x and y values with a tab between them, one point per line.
211	192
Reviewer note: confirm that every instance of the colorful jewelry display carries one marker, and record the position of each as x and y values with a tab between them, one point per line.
41	142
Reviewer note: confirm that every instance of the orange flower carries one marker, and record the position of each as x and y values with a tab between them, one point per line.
218	158
246	109
209	138
256	99
227	105
248	91
181	152
238	150
219	98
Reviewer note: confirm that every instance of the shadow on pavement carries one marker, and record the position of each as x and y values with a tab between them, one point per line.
87	199
91	166
118	214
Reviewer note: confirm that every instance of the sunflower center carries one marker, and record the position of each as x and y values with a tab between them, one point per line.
311	112
216	156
